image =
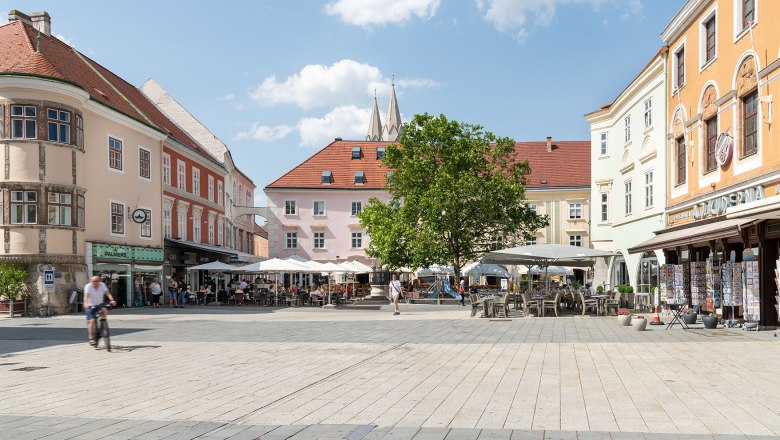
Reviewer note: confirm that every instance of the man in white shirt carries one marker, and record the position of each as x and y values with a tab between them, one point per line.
94	304
395	290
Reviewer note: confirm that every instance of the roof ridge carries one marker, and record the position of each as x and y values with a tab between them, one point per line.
27	39
110	84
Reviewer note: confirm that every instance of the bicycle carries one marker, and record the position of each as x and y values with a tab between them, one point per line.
101	328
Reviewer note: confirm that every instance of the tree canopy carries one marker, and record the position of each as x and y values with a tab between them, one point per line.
454	187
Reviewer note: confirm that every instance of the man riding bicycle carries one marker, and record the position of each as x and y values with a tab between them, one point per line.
94	303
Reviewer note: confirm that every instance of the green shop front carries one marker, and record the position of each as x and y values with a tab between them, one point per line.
126	270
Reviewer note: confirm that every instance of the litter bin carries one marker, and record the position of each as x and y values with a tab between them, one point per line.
76	300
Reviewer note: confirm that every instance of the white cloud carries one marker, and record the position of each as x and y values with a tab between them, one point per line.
228	97
522	17
347	122
63	39
342	83
371	13
265	133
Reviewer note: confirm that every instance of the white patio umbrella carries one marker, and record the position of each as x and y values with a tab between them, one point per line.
214	265
274	265
478	268
434	269
551	270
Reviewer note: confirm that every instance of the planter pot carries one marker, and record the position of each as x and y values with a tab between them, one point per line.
9	308
639	324
624	320
690	318
710	321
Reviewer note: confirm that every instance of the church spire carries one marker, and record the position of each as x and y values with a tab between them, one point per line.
393	119
375	126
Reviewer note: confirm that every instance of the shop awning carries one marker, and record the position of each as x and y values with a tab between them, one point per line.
692	235
200	247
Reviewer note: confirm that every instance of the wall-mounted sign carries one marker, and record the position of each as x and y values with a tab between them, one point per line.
718	205
724	148
119	252
139	216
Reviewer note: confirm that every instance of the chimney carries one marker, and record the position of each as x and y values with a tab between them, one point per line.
549	144
41	21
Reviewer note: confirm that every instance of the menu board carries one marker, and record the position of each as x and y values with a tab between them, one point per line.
731	275
714	283
751	294
699	284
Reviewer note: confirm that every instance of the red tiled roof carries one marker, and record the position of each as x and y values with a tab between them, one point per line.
337	158
18	42
567	165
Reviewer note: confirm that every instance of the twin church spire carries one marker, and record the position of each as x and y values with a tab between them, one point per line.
388	132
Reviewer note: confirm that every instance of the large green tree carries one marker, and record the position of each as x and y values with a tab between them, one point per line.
453	188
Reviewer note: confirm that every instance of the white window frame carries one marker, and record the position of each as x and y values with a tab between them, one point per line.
314	208
291	239
220	232
122	216
25	119
59	123
140	163
121	141
220	192
197	231
603	145
352	211
648	113
54	200
210	194
677	87
146	230
627	128
318	237
181	221
211	231
181	175
196	181
531	240
604	207
24	203
628	197
739	30
166	168
575	240
356	236
574	209
649	195
712	13
167	219
293	204
533	207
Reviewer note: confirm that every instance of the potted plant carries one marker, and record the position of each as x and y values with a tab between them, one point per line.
710	321
600	289
624	317
12	287
639	323
690	316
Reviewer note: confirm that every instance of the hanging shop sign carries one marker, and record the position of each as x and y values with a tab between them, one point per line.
718	205
724	148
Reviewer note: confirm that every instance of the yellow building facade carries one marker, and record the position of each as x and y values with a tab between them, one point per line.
723	166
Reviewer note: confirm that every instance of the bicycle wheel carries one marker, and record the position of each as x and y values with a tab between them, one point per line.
104	334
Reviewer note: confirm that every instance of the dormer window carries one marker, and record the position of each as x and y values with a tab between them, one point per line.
380	153
327	178
357	153
360	178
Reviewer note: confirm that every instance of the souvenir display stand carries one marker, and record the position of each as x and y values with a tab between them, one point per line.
751	294
714	284
732	287
699	284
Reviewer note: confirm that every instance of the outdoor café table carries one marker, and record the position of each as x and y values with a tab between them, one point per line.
539	303
601	299
487	305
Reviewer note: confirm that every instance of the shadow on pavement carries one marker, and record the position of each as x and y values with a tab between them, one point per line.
15	339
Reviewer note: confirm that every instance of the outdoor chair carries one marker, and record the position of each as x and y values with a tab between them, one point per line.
501	309
612	304
551	304
474	306
528	304
588	303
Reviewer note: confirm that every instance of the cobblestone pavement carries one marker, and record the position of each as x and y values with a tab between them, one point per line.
222	372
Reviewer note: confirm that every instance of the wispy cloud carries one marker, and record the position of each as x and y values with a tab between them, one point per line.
372	13
522	17
63	39
265	133
342	83
228	97
348	122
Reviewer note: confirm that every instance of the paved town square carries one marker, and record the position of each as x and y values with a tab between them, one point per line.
360	372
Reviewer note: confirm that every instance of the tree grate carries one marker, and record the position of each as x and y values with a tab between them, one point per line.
28	368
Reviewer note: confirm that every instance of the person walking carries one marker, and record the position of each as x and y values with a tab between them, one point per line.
156	292
173	290
183	288
395	290
462	292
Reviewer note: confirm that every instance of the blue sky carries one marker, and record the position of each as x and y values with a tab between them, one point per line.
277	80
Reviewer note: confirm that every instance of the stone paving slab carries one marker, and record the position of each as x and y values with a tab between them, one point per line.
429	373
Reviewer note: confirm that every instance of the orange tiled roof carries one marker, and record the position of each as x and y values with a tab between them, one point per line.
57	60
337	158
567	165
